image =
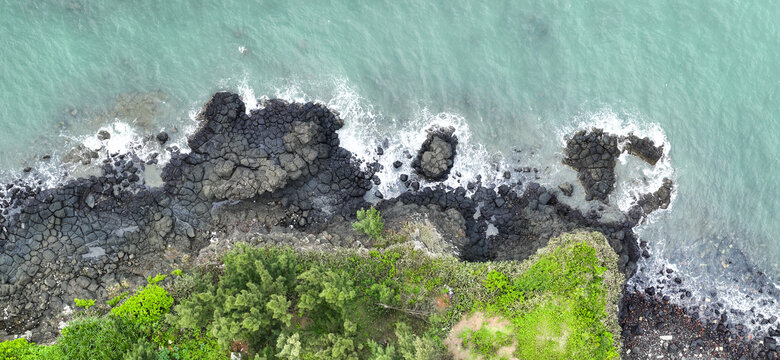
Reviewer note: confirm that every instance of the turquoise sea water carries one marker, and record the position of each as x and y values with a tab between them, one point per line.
701	75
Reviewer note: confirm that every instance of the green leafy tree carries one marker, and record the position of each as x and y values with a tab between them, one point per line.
289	346
250	301
369	223
144	350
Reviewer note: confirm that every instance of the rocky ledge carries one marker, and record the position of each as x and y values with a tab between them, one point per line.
276	174
593	153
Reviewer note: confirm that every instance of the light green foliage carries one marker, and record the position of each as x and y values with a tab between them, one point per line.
85	303
192	345
98	338
557	306
176	272
369	223
289	346
146	307
485	342
156	279
20	349
15	349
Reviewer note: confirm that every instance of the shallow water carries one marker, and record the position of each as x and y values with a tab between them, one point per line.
698	75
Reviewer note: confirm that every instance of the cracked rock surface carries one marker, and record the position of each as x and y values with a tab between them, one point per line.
437	154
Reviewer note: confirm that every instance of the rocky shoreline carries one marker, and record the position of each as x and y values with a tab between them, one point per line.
277	175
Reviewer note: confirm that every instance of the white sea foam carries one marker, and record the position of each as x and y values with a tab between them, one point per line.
365	129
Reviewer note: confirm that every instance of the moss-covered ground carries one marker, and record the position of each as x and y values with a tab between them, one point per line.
395	303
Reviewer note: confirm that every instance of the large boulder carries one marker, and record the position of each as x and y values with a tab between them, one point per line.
437	154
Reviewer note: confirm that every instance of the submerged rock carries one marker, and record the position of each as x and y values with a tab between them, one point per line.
437	154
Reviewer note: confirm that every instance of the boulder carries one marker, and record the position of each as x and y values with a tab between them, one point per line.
437	154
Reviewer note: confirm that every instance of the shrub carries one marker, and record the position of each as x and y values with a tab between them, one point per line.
144	350
98	338
116	299
85	303
146	307
250	301
369	223
15	349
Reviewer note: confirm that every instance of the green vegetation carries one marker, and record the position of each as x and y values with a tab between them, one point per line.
369	223
486	341
85	303
396	304
557	306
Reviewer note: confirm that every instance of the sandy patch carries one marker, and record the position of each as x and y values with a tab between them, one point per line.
474	322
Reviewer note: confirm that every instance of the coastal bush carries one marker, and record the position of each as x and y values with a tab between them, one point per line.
16	349
84	303
146	307
98	338
250	301
370	223
21	349
282	304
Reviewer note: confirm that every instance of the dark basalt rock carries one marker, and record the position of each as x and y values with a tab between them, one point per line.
162	137
647	203
593	155
283	160
644	148
437	154
103	135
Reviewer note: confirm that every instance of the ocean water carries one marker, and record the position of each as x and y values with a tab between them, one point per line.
514	76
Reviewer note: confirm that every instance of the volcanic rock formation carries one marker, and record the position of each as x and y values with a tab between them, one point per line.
275	175
437	154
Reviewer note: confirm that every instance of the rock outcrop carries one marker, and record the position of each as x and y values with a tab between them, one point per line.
437	154
592	154
644	148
